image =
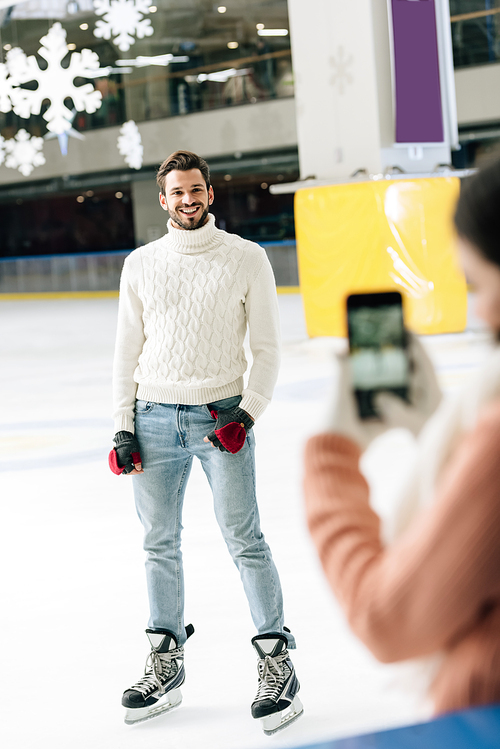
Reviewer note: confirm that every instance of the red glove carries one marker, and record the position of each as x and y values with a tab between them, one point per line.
125	453
230	429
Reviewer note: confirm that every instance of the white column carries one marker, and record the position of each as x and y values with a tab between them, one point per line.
149	218
343	91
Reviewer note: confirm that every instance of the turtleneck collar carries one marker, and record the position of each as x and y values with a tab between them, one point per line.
189	242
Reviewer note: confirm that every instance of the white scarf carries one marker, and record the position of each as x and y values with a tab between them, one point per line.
454	418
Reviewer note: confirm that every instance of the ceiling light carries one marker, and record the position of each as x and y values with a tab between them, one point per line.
264	185
227	177
80	199
84	26
222	8
71	46
221	76
143	60
118	195
272	32
104	72
152	8
260	26
7	47
233	45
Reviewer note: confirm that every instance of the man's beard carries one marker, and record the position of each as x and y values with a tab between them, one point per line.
189	224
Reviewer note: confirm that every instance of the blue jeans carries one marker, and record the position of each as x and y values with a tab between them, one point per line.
169	436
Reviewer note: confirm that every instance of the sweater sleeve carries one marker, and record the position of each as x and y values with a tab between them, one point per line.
261	307
418	595
129	343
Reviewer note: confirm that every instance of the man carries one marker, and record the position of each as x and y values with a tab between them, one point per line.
185	303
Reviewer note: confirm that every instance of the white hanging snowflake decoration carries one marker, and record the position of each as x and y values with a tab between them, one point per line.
5	89
55	82
123	19
130	144
24	152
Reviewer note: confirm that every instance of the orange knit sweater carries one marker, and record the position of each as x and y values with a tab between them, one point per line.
438	587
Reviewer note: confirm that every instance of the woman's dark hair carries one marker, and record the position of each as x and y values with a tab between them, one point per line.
182	161
477	216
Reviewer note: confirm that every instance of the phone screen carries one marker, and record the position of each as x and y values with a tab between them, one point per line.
378	348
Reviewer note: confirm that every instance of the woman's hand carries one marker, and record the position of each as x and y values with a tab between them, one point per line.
342	417
424	394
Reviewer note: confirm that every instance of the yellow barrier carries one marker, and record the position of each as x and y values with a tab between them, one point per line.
378	236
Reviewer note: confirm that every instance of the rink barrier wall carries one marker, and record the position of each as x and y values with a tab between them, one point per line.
99	272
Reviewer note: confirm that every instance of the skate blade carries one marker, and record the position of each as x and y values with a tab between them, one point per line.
276	722
166	703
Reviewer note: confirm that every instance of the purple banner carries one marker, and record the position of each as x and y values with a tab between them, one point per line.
419	114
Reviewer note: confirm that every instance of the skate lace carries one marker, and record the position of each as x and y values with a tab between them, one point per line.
271	676
160	667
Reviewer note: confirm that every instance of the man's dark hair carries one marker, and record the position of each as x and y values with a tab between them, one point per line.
477	216
182	161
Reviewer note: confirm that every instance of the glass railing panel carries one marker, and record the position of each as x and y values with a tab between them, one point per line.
475	28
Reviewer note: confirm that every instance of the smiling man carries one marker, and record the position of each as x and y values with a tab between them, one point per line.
186	302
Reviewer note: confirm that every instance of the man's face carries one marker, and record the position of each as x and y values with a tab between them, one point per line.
186	198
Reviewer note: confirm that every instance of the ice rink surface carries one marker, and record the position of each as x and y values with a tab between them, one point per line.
74	605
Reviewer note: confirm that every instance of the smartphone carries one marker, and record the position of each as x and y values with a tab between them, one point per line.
378	348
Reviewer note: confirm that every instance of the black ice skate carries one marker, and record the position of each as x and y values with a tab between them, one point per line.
276	703
158	690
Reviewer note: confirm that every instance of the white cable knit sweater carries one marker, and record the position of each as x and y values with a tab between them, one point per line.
185	302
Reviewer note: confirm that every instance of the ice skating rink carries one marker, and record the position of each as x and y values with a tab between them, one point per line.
74	605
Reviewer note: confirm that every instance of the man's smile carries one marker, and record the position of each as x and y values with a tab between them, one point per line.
189	211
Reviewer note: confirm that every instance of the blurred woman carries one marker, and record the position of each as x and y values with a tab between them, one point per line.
435	590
